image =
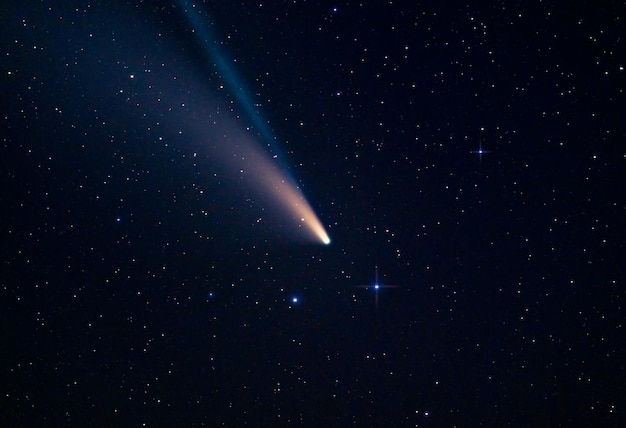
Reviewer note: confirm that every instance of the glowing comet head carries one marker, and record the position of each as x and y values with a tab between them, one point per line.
322	235
259	172
291	198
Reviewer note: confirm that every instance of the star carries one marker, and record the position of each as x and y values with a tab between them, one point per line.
294	301
377	286
480	152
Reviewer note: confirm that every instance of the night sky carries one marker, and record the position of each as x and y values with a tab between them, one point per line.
473	154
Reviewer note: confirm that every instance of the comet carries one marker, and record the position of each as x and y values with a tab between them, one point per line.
235	147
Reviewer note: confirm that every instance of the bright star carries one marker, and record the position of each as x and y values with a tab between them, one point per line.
480	152
377	286
294	301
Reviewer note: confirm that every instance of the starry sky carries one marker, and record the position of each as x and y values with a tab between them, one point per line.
473	154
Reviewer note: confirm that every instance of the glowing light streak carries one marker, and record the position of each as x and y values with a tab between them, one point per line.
239	151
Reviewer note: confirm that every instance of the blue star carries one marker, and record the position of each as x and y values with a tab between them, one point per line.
294	301
377	287
480	152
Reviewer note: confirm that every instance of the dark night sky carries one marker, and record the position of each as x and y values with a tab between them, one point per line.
146	280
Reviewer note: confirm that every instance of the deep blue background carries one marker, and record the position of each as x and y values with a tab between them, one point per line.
137	286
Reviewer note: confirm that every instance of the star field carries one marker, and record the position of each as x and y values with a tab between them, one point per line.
474	153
